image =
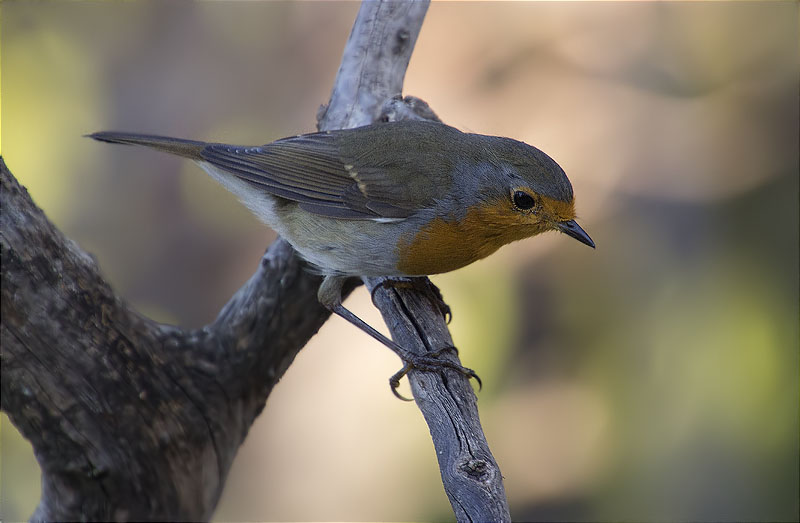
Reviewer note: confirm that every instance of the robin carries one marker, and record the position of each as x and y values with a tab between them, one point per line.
400	199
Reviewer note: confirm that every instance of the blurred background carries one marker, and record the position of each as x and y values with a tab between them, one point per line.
655	378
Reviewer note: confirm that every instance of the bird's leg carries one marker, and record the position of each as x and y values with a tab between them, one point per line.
330	296
422	284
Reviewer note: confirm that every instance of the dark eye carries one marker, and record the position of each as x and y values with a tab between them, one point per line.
523	200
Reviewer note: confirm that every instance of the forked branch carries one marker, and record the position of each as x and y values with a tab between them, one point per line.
134	420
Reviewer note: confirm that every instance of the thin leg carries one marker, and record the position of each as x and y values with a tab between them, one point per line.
330	296
428	362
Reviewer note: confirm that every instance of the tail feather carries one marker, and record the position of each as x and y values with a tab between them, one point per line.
186	148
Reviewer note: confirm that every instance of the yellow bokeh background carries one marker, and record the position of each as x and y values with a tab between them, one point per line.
655	378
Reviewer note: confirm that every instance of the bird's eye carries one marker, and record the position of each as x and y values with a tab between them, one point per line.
523	200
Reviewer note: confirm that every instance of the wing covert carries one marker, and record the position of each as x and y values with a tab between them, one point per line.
344	174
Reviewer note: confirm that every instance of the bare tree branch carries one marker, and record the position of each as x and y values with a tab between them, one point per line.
470	474
134	420
374	62
131	419
371	76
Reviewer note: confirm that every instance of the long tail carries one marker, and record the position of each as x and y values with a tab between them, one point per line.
186	148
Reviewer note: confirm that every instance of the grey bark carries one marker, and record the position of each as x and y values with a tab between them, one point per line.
130	419
135	420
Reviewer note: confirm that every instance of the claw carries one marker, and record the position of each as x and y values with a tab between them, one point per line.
429	363
435	294
330	296
437	353
394	381
424	285
466	371
381	284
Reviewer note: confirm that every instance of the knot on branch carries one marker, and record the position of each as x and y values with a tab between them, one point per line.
476	468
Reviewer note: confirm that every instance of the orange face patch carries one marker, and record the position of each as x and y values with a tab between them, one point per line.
444	245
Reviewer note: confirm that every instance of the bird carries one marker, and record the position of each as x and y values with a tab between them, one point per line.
391	199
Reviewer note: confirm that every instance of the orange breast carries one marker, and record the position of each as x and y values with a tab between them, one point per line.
443	245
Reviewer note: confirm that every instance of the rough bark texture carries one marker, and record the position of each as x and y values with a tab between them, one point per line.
134	420
470	474
131	419
374	62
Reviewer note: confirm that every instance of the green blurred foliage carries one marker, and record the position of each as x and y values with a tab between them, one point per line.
655	378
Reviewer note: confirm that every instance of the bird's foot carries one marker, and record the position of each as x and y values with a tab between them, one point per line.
423	285
429	362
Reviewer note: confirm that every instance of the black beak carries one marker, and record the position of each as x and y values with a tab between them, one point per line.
571	228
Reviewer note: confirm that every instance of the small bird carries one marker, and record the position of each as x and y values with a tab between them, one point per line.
400	199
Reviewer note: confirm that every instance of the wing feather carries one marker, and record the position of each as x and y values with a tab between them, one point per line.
343	174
